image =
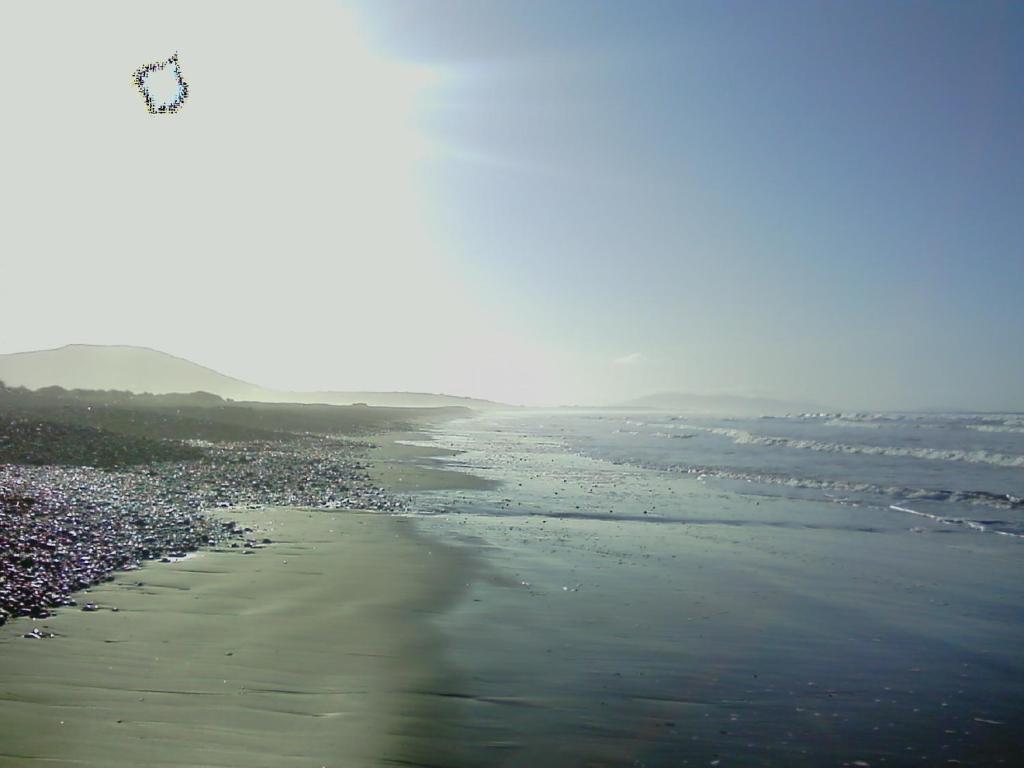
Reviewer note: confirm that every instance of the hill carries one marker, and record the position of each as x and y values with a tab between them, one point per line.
122	368
142	370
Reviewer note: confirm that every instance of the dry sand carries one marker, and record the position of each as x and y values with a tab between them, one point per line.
318	650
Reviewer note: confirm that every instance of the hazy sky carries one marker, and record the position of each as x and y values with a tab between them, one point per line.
541	202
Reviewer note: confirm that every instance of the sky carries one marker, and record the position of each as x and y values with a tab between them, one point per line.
536	202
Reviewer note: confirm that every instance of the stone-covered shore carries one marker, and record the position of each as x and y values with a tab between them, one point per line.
64	528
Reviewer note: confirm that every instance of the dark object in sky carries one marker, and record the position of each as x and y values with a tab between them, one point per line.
162	85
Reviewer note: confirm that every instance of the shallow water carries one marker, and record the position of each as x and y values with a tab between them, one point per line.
643	610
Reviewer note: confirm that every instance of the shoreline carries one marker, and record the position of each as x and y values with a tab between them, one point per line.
317	649
401	466
630	616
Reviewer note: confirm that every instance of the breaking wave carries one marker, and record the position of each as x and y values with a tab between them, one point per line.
985	498
854	423
962	521
996	428
742	437
882	496
848	492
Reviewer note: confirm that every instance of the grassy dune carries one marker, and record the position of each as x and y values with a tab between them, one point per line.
115	429
317	650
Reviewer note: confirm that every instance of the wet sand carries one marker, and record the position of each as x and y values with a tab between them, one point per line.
400	466
317	650
678	624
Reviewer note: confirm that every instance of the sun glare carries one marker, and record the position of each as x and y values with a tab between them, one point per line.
377	96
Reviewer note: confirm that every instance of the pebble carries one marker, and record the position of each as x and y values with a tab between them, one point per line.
65	528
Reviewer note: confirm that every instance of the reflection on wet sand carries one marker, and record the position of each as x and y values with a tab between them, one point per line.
317	650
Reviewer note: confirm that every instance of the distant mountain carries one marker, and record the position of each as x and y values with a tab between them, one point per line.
725	405
140	369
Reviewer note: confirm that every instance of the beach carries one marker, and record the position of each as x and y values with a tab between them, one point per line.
319	649
522	603
63	528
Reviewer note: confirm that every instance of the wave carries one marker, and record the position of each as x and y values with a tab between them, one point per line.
854	493
962	521
916	420
742	437
996	428
986	498
866	420
853	423
1002	501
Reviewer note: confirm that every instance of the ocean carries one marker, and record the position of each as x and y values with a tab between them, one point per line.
667	589
960	470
